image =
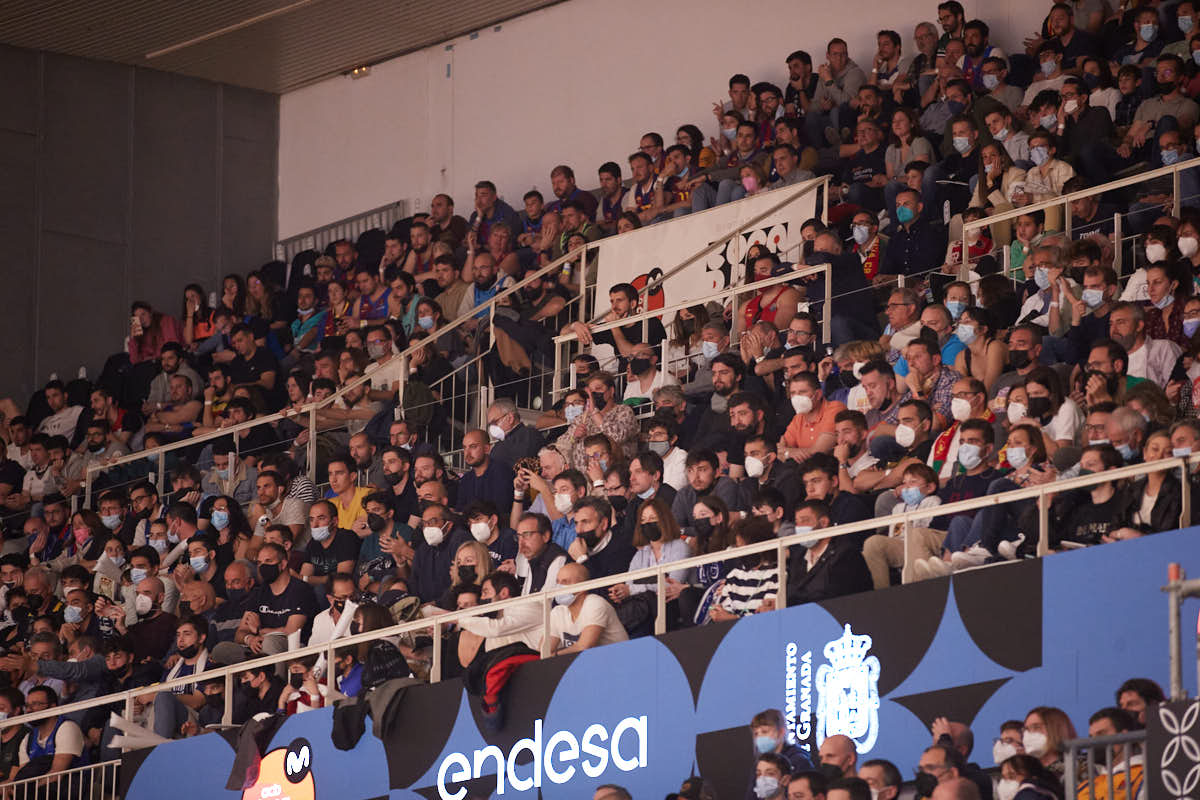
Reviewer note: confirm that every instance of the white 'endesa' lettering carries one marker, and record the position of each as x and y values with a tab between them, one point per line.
552	760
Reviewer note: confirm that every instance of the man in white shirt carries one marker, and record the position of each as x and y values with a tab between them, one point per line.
1151	359
581	620
663	438
519	624
325	625
63	418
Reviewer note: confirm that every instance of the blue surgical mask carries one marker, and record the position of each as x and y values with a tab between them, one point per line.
1185	24
425	322
962	144
969	455
1164	301
729	133
1170	157
1181	452
137	575
1094	298
955	107
965	333
1000	135
912	495
219	519
1190	326
905	214
765	744
604	465
572	412
199	564
646	495
1126	452
73	615
118	561
320	533
1039	155
1041	276
955	307
991	81
1148	32
1048	121
160	545
1048	67
1196	57
861	234
111	521
223	474
710	350
1016	456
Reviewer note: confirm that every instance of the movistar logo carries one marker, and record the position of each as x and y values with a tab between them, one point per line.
555	760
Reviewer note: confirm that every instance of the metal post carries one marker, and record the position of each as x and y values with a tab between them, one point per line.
964	268
781	557
435	671
311	448
544	648
1067	220
1069	777
827	316
1007	259
1176	201
1174	578
1185	499
162	471
660	616
128	715
1043	525
87	488
906	570
583	287
1118	245
227	716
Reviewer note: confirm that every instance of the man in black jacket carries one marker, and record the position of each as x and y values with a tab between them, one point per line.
829	568
604	549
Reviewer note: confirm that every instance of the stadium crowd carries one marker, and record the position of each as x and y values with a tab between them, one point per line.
1044	364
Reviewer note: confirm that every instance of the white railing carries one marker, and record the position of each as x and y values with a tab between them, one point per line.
1065	202
436	625
349	228
91	782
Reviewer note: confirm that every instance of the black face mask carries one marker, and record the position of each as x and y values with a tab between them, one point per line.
639	365
97	448
1039	408
35	600
185	607
703	527
618	502
467	574
651	531
191	651
1165	87
269	572
688	326
393	479
1018	359
589	538
925	784
376	522
295	679
597	399
338	605
235	596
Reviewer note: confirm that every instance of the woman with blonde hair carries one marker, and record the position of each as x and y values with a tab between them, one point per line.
1045	730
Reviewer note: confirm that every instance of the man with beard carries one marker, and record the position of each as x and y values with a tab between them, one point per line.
597	544
172	363
487	285
747	417
703	479
419	260
397	475
1149	359
486	478
715	428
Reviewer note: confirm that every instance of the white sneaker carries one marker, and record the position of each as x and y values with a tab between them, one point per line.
972	557
938	568
920	570
1008	550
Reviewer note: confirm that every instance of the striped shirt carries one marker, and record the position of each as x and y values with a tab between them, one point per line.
745	589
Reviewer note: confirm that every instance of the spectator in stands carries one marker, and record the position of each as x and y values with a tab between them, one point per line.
829	567
176	707
280	607
771	777
914	243
514	440
581	620
1149	359
1135	694
703	478
520	624
149	330
53	744
839	80
882	777
1121	774
839	752
752	586
487	479
434	552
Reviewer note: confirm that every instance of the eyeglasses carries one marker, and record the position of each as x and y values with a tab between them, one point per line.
528	534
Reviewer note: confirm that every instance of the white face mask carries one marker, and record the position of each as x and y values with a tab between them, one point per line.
480	531
563	502
960	408
905	436
1188	245
1007	790
143	604
1155	252
801	403
754	466
496	432
1002	751
1035	743
433	535
1017	412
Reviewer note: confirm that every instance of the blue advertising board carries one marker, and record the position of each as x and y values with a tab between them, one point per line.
981	647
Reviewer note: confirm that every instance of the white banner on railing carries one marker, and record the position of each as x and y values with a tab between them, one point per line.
642	256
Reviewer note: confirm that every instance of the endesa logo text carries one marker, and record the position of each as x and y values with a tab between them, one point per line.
626	747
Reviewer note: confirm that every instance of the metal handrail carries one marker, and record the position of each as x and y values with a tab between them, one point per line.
1066	199
545	597
1071	754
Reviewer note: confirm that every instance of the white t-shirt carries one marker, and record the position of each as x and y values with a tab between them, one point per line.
24	459
675	468
1065	423
61	423
633	389
69	739
595	611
